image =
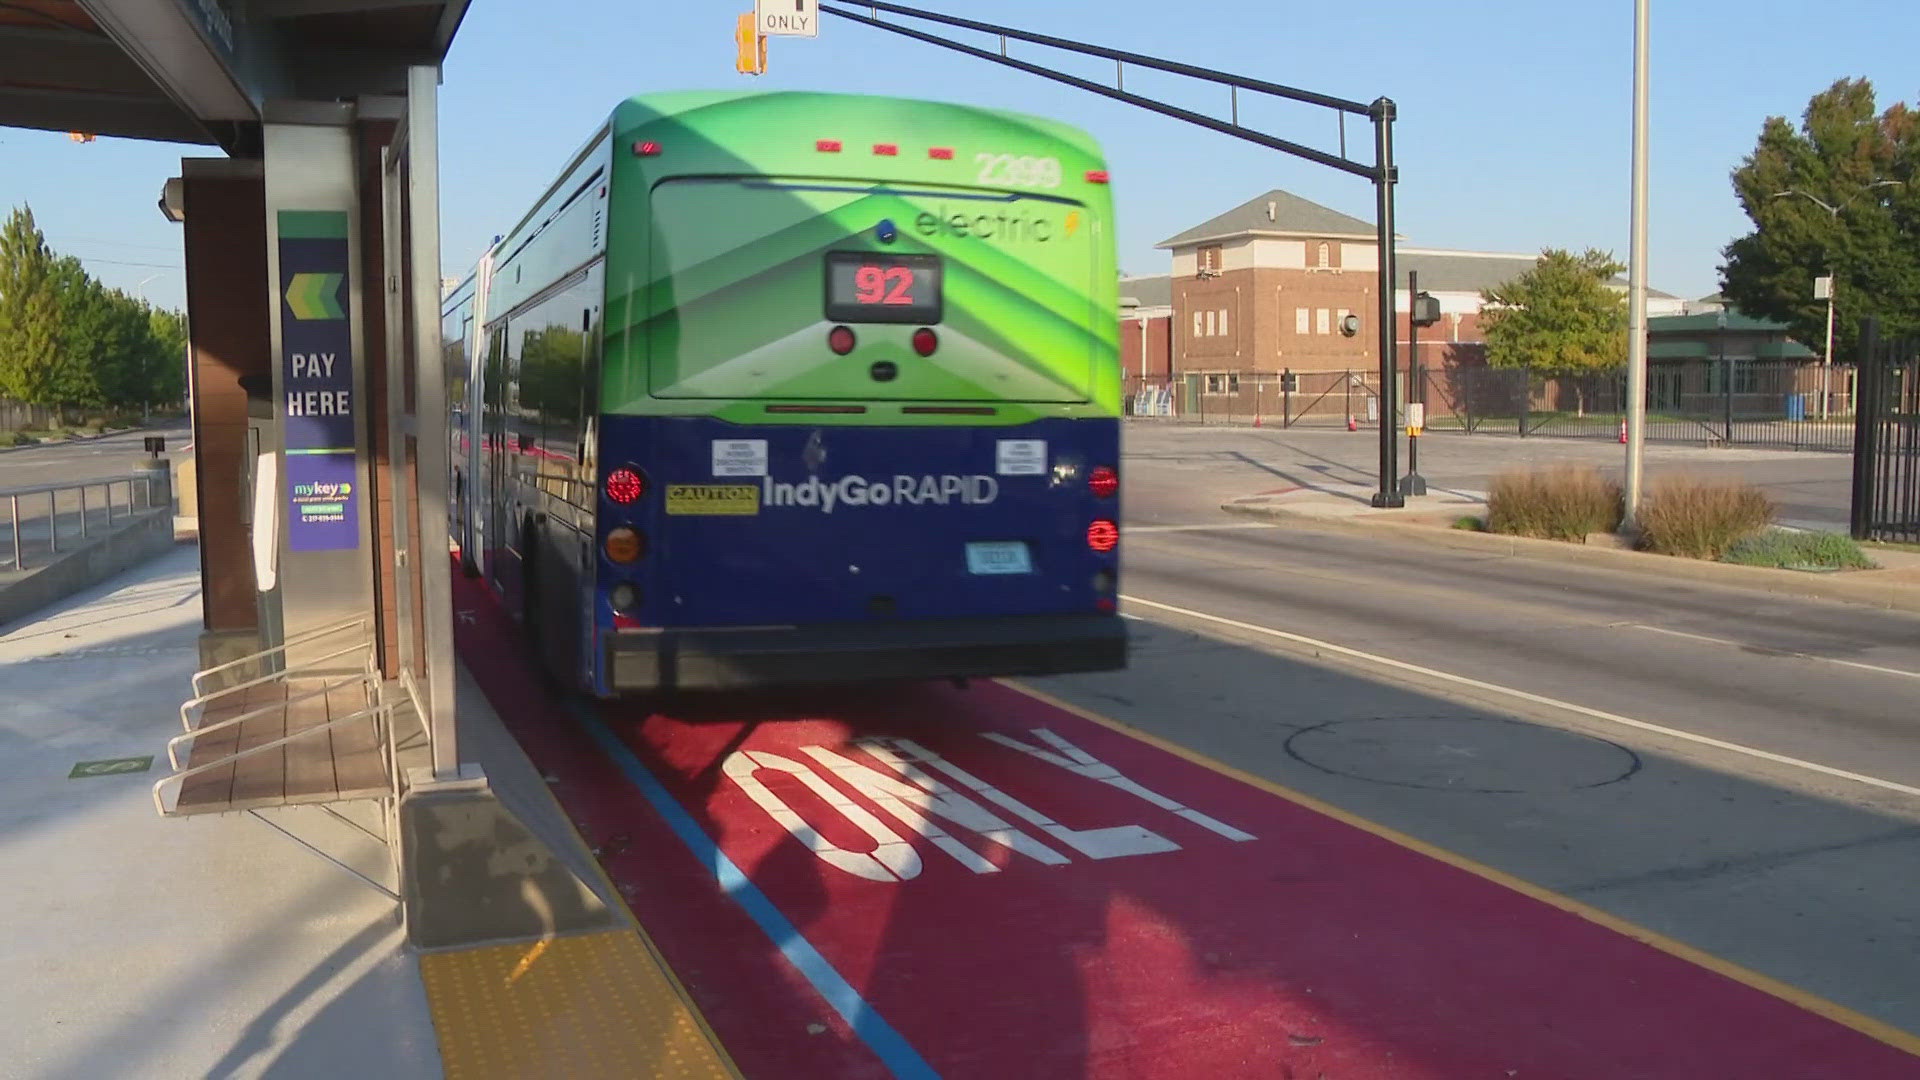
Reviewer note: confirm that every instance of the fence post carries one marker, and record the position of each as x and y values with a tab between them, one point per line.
1346	391
1866	425
1526	400
1286	397
1726	395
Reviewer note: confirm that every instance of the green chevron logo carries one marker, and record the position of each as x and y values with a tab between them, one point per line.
314	297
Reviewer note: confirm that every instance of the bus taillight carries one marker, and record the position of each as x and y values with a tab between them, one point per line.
625	545
841	340
1103	536
624	486
925	341
1103	481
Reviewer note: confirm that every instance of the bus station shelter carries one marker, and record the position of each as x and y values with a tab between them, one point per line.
319	424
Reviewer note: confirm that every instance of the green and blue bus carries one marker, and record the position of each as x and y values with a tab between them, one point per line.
796	387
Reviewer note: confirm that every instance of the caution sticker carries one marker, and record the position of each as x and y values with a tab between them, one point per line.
713	500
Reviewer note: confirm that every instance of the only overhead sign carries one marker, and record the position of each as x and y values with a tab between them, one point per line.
788	18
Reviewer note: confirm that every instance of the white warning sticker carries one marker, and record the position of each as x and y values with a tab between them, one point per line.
1021	457
739	457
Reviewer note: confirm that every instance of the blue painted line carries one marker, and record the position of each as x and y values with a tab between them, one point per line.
891	1047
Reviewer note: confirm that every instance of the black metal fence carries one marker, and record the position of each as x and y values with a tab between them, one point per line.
1886	448
1780	404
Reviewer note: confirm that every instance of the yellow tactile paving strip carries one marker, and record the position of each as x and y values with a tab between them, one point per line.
593	1005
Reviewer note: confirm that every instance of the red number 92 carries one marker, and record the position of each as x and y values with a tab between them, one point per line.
883	285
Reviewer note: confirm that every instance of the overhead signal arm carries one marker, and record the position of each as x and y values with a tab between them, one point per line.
1381	171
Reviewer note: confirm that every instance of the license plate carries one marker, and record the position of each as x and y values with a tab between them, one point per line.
998	557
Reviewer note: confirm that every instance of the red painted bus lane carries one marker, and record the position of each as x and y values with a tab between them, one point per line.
985	884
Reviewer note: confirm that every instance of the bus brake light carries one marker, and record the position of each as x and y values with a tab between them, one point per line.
624	486
1096	176
1103	536
1103	481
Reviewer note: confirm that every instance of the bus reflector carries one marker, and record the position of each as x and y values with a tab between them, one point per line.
925	341
646	149
887	149
841	340
1104	605
625	485
1096	176
623	545
941	153
1103	481
1103	535
827	146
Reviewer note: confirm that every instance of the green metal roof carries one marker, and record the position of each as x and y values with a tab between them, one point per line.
1677	350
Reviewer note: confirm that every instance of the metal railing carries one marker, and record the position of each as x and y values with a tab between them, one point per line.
41	518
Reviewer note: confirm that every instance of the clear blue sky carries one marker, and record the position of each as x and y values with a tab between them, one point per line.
1514	132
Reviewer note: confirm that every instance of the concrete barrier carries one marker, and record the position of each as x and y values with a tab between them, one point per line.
101	557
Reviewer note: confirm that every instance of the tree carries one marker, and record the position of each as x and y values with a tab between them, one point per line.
1559	318
1856	215
29	312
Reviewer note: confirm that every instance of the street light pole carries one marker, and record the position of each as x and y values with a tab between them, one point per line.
1637	273
1823	286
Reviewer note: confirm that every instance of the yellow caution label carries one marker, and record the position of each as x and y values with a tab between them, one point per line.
713	500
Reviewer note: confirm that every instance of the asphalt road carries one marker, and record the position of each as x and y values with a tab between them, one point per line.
1739	771
87	459
1180	472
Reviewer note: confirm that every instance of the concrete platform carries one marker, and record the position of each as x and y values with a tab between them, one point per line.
230	945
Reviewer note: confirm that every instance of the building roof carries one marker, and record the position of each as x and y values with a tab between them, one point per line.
1149	292
1275	212
1710	323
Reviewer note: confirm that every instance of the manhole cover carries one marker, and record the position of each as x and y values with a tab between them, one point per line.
1469	753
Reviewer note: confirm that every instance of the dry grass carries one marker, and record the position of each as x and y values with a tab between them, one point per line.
1563	502
1701	519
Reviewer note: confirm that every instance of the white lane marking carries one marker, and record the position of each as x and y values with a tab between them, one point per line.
1776	652
1198	528
1538	699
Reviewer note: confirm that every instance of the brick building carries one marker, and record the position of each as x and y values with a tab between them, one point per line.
1265	288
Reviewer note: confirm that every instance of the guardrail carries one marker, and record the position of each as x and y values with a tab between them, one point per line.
43	517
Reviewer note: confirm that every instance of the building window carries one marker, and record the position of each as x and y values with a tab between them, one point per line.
1322	321
1302	321
1210	331
1322	258
1196	324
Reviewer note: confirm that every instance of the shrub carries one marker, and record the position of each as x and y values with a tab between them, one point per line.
1787	548
19	438
1469	523
1701	519
1565	502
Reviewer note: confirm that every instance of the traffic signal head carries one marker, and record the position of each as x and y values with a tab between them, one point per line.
751	58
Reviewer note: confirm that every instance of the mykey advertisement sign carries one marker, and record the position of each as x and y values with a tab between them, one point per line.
316	374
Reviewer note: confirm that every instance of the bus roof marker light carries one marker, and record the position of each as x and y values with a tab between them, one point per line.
941	153
827	146
886	149
841	340
648	148
1096	176
887	231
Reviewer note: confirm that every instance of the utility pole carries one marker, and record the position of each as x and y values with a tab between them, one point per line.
1637	274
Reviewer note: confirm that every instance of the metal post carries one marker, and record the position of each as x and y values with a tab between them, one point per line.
83	511
1826	358
53	522
1383	113
1866	423
19	557
1637	275
1413	483
1286	398
1726	386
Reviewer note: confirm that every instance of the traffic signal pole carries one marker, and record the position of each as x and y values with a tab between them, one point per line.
1381	171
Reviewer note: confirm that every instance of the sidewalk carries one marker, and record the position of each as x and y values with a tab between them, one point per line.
142	947
1348	508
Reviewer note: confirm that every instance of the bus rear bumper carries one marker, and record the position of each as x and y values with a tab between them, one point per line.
708	659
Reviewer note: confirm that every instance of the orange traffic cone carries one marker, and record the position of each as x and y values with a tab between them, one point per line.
1256	419
1351	424
1623	431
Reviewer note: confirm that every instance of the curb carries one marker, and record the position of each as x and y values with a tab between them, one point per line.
68	439
1890	596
